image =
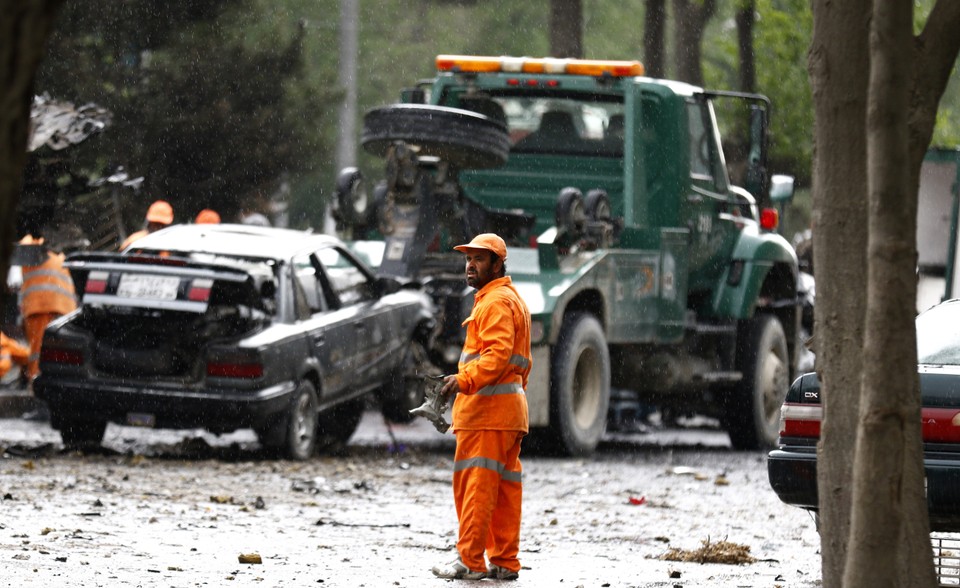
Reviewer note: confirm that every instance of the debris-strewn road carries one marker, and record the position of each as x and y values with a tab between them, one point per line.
181	509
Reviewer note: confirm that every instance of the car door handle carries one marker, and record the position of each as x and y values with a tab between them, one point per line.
359	326
319	340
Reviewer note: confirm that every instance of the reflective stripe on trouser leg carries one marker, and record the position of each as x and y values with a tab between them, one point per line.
488	494
33	327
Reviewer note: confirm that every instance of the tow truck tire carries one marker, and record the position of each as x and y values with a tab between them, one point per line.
295	433
77	434
466	139
597	205
752	412
338	424
403	389
579	385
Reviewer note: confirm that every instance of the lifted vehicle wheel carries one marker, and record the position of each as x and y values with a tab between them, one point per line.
295	434
597	205
404	389
579	385
338	424
80	434
752	413
570	213
352	204
463	138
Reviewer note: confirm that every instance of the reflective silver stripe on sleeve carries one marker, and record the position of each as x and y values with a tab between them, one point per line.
46	288
50	273
488	464
33	357
467	357
495	389
520	361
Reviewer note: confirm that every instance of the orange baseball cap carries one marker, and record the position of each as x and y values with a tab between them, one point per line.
160	212
207	217
487	241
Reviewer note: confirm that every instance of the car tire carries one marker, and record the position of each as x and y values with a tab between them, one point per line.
404	389
78	434
579	386
570	214
353	205
597	205
466	139
752	410
294	434
336	425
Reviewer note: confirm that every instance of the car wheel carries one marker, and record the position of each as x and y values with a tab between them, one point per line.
752	412
338	424
404	388
352	204
463	138
579	387
597	205
81	434
295	433
570	214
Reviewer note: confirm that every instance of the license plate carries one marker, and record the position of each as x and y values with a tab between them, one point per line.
141	419
143	286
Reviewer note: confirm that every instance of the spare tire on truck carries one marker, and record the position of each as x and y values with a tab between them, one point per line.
465	139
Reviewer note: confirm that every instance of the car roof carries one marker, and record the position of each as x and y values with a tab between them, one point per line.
235	240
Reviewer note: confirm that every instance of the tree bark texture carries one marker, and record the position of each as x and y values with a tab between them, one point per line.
566	28
839	76
654	34
886	483
692	17
24	28
746	11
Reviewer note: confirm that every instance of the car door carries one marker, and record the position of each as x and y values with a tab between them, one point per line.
330	330
375	325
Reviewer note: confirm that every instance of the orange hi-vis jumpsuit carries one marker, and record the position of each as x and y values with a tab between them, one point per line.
46	294
12	352
490	419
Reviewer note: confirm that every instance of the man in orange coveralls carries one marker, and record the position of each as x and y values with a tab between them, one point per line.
489	418
12	352
46	293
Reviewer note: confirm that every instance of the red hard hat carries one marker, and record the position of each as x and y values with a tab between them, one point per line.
160	212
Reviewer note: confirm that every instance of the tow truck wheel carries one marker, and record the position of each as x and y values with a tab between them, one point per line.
78	434
403	389
295	433
579	385
352	202
466	139
752	413
338	424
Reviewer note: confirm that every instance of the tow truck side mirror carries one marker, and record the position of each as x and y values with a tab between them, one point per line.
781	188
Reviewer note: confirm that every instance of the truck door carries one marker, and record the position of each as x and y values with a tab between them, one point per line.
712	235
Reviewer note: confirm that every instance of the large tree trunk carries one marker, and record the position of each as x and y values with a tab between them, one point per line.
654	30
746	11
887	482
839	79
566	28
692	17
24	28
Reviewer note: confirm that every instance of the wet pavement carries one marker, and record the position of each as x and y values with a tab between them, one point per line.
165	508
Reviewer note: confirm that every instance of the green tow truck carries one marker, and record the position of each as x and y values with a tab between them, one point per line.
647	270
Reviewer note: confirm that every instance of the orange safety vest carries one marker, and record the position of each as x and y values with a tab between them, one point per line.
47	288
495	363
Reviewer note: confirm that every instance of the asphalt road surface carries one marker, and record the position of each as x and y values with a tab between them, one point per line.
163	508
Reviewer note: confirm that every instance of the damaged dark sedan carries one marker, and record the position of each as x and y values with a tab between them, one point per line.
224	327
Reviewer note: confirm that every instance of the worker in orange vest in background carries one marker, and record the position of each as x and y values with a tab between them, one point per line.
12	352
46	293
159	216
207	216
490	418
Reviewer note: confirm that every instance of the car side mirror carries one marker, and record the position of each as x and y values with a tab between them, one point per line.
384	285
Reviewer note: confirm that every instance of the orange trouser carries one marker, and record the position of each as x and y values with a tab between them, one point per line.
488	491
33	327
